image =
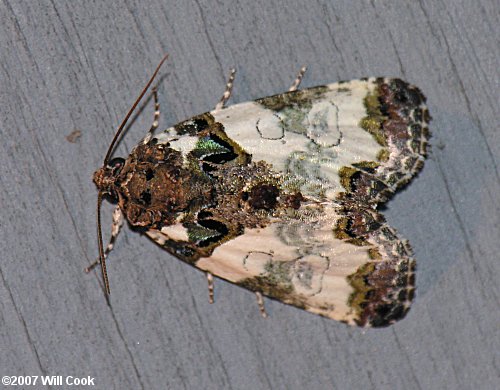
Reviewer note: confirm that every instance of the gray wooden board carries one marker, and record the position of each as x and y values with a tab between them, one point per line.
68	65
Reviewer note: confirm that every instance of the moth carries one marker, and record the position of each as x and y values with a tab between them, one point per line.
280	195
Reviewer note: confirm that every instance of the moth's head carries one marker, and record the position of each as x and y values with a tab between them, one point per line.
106	178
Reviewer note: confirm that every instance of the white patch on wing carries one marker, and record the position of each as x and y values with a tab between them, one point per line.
157	236
308	273
235	260
255	261
322	124
332	123
176	232
240	124
319	262
270	127
183	144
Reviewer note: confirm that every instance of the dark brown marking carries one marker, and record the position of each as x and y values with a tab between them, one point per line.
381	293
294	200
263	196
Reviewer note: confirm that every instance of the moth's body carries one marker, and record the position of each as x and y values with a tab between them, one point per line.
279	195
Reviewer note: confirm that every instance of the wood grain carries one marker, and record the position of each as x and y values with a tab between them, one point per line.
69	66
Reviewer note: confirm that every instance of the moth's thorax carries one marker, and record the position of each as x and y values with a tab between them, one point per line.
153	187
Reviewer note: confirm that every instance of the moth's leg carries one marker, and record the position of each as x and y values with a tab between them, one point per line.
115	230
297	81
210	280
156	117
260	302
227	93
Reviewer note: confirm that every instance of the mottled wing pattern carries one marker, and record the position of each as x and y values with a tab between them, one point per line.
299	176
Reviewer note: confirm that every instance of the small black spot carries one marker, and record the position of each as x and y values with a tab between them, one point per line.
294	200
200	124
185	252
204	214
221	158
402	296
210	162
406	94
140	229
401	280
263	196
388	313
212	224
207	168
111	198
354	180
418	115
149	174
372	225
383	310
192	126
146	197
384	108
365	168
349	228
401	97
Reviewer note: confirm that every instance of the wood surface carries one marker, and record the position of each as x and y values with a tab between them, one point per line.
70	66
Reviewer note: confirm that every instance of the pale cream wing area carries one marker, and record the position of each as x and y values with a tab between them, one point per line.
309	141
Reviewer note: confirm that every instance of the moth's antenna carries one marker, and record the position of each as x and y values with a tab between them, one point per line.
106	159
100	244
124	122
